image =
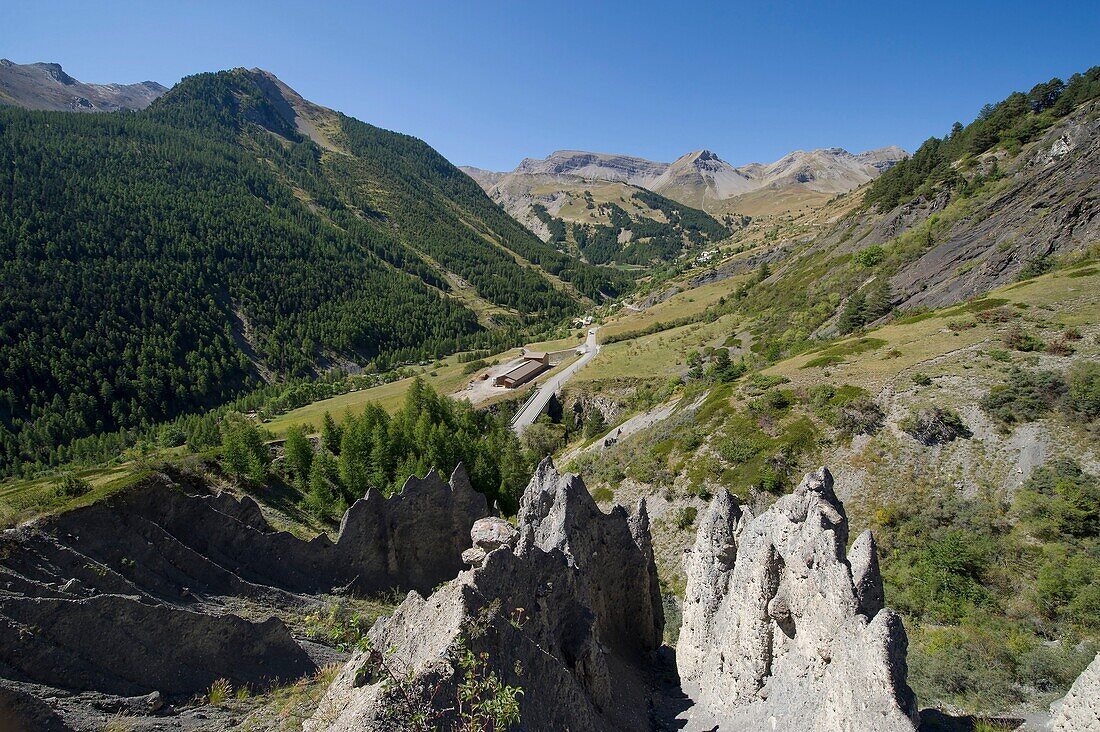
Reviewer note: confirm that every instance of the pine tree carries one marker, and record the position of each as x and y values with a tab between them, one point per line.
299	454
330	434
854	314
878	303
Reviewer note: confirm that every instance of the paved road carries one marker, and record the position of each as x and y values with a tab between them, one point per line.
534	408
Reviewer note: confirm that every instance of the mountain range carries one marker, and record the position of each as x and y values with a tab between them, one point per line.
47	86
699	179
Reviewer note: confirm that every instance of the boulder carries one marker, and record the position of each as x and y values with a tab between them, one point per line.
569	615
781	631
1079	710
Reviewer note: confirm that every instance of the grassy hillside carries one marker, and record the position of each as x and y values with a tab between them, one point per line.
987	525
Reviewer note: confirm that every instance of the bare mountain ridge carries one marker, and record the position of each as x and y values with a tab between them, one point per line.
46	86
700	178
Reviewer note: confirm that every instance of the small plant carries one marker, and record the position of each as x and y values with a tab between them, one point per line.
73	486
922	379
485	703
1060	348
1072	334
1018	339
685	517
932	425
219	692
603	494
118	723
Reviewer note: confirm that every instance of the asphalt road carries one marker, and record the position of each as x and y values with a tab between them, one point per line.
534	408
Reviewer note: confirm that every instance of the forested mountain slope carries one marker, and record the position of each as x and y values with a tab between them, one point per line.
165	260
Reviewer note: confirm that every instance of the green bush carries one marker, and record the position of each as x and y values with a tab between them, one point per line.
932	425
1025	396
72	486
1083	382
1018	339
603	495
870	256
684	518
1060	499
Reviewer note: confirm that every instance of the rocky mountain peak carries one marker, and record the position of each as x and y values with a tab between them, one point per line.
47	86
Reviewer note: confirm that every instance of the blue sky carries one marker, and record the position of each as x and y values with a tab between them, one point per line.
492	82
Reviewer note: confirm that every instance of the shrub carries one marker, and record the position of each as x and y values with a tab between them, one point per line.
473	366
1018	339
869	256
922	379
861	416
1072	334
685	517
1083	389
995	315
932	425
1060	499
73	486
171	435
594	423
1059	348
603	494
1025	397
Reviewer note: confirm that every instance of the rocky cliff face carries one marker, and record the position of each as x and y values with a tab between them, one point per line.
132	595
566	607
783	630
1046	204
48	87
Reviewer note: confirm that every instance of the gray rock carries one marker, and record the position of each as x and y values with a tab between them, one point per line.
776	634
1079	710
570	615
116	597
866	577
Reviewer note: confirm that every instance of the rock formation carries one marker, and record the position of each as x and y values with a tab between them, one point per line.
566	607
1079	710
781	630
131	595
47	86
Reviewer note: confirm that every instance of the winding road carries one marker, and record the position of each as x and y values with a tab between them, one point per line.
533	408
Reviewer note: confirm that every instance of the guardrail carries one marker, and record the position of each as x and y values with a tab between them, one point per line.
527	403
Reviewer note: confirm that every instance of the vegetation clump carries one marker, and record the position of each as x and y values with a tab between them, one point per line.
933	425
1024	397
375	450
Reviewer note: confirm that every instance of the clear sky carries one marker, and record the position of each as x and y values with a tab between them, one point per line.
488	83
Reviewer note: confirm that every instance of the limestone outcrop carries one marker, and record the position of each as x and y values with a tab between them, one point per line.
784	630
566	608
1079	710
